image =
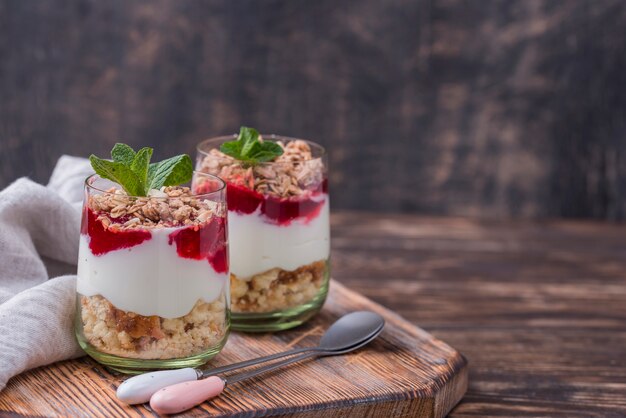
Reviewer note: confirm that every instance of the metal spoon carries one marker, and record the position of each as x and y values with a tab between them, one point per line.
347	331
182	396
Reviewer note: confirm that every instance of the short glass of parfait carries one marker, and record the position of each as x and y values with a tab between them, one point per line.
153	279
279	232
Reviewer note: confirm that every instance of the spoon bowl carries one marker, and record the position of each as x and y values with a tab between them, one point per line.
351	329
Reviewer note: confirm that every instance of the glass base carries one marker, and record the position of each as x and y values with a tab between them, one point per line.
279	320
128	365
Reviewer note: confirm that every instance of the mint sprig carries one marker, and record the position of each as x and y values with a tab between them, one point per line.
137	176
249	149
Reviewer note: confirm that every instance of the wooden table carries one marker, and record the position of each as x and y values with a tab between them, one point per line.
538	309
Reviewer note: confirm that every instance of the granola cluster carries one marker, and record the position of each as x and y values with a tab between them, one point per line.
294	173
170	206
127	334
277	289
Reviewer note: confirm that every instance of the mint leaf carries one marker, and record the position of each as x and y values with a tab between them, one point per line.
133	171
171	172
140	164
264	156
249	149
122	153
232	148
268	151
119	173
249	137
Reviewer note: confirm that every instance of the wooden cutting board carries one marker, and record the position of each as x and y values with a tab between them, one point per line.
404	373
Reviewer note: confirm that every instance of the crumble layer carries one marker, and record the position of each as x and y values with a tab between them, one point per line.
277	289
127	334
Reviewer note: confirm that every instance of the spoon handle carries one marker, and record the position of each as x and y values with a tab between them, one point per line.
270	367
255	361
182	396
316	352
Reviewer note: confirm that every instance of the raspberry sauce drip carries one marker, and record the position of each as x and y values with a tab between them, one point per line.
280	211
103	240
206	241
241	199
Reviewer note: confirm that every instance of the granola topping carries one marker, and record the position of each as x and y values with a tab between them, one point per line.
291	187
169	207
293	174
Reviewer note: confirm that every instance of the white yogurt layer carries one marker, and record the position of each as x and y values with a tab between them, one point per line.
149	278
257	245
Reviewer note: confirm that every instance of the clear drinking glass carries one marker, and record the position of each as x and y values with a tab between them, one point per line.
279	232
153	279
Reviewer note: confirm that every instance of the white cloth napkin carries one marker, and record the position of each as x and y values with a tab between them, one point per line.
39	228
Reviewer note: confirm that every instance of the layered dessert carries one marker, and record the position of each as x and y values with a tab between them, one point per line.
153	271
278	217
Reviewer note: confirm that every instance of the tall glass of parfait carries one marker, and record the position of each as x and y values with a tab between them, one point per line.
279	232
153	278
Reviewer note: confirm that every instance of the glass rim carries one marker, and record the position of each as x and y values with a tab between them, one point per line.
217	139
222	187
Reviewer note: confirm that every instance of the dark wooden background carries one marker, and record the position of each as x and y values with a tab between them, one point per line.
490	109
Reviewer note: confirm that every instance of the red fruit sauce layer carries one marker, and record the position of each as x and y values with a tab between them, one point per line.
205	241
103	240
280	211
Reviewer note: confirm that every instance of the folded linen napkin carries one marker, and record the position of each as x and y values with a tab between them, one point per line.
36	311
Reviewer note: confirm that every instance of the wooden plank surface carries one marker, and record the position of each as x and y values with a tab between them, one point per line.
405	372
538	309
